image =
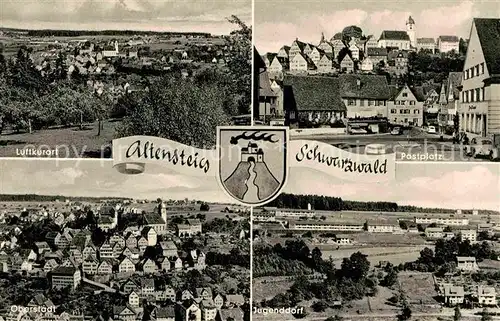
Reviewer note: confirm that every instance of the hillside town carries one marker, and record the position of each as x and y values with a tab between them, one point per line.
123	259
95	86
412	262
112	61
439	90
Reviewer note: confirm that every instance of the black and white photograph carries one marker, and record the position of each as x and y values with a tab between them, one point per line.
424	246
414	78
76	74
82	241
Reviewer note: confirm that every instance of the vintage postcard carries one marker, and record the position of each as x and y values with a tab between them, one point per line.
82	240
422	247
418	79
74	75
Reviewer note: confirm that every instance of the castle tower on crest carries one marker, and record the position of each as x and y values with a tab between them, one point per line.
252	153
410	30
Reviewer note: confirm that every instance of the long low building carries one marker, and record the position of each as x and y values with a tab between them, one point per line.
326	226
457	221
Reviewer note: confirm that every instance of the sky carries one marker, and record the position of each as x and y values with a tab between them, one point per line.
280	22
151	15
450	185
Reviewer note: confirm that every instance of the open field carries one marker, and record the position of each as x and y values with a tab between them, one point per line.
264	288
394	255
419	287
69	142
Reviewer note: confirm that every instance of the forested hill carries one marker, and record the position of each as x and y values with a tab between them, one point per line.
51	198
328	203
78	33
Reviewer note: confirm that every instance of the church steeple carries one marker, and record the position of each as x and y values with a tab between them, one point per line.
410	30
322	38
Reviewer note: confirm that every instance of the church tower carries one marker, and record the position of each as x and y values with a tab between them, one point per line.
162	211
410	30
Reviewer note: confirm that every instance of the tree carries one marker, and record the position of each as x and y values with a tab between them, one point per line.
485	316
180	110
403	225
457	315
319	306
204	207
240	63
355	267
390	278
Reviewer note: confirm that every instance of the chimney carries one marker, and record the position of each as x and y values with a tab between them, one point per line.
358	83
308	206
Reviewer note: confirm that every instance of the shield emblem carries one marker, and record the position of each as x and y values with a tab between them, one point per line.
253	162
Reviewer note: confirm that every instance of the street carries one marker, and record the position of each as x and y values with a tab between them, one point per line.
412	145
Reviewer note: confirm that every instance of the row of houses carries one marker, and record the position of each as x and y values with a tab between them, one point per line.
439	233
472	96
455	295
181	305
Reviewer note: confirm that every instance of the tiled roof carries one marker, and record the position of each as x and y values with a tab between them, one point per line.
394	35
426	40
305	93
165	312
454	80
371	86
376	52
64	270
448	38
488	31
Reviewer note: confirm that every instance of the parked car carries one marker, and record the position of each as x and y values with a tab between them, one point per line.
358	131
481	147
431	130
397	131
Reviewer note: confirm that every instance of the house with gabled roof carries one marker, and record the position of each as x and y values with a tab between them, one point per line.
123	313
168	248
186	295
309	99
450	104
130	286
50	265
394	39
126	266
105	268
426	44
486	295
325	45
131	240
189	310
300	63
284	52
407	107
377	55
278	66
204	293
147	287
134	299
479	112
90	265
147	266
448	43
364	95
325	64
